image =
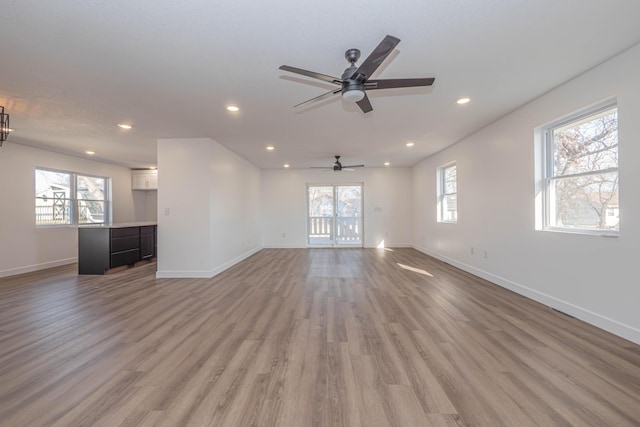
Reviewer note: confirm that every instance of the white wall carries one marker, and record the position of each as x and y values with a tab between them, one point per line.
23	247
387	204
235	209
145	205
208	208
590	277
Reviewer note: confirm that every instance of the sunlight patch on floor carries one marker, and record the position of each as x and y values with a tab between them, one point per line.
381	246
415	270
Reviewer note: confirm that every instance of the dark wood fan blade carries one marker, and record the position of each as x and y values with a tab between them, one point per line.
376	57
319	98
394	83
313	74
353	166
364	104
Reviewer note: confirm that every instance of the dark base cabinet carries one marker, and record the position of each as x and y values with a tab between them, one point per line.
103	248
147	242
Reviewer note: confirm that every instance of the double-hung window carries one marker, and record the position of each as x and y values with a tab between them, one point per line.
447	193
581	173
65	198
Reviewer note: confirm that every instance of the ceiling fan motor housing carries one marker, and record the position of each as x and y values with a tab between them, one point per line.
351	82
350	85
337	166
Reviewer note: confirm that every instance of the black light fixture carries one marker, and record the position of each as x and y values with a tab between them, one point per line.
4	126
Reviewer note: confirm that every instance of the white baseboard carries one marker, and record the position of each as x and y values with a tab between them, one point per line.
296	246
184	274
37	267
603	322
205	274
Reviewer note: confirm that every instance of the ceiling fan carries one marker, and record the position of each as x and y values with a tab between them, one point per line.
338	167
355	80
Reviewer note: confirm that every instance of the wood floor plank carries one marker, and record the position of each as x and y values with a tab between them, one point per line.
424	382
303	337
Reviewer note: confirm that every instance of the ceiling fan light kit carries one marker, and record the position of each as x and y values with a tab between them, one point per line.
356	80
353	95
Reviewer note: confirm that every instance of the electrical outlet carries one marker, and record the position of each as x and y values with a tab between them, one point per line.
284	235
486	255
473	251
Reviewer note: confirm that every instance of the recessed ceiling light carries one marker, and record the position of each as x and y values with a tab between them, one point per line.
387	163
463	100
91	153
270	147
286	165
232	108
409	144
123	126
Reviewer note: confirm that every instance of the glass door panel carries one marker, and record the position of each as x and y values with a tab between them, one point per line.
348	214
321	209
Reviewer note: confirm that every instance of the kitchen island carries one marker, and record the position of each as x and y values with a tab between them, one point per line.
104	247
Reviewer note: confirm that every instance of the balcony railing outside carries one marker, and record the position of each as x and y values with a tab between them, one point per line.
53	215
61	215
348	230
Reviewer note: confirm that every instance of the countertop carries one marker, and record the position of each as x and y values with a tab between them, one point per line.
119	224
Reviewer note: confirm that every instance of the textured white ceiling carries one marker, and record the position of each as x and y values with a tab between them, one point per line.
71	69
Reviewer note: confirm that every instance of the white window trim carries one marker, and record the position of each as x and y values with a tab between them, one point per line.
547	167
441	182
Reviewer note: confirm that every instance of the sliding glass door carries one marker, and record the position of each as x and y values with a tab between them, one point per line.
334	215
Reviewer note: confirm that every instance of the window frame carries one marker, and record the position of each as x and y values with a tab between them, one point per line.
73	199
442	192
548	165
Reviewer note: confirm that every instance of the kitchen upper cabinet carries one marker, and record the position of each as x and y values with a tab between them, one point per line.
144	179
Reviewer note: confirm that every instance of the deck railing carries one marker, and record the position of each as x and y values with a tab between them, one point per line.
348	230
50	215
58	215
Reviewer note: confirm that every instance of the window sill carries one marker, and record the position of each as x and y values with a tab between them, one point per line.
595	233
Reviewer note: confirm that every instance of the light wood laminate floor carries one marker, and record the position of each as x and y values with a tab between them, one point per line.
296	337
